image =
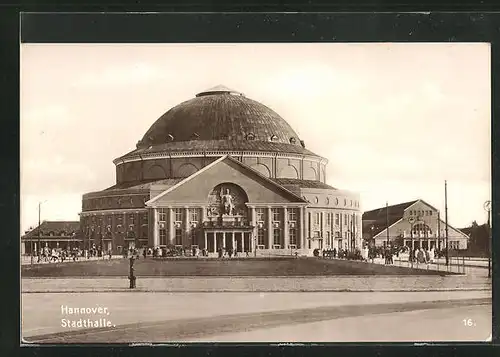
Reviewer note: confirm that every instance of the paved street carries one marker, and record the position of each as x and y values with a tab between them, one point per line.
175	312
411	326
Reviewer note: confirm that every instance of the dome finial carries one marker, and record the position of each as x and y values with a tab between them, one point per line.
220	89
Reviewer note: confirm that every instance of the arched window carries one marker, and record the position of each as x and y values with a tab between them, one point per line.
293	140
170	137
250	136
274	138
421	229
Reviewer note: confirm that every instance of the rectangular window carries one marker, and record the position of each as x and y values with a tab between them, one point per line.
260	237
260	214
328	219
293	236
194	236
193	215
161	215
345	220
316	218
178	214
276	214
131	219
328	238
338	235
109	220
277	236
292	215
144	231
145	218
163	236
337	219
178	236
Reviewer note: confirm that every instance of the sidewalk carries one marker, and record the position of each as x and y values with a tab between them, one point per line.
258	284
26	260
470	268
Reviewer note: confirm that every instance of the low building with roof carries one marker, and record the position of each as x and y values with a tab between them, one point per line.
221	170
52	234
415	224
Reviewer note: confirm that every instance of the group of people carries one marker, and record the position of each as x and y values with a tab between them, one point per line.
340	254
420	255
56	255
158	252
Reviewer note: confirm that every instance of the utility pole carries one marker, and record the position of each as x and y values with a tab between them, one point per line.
39	230
446	218
439	231
31	241
387	220
487	208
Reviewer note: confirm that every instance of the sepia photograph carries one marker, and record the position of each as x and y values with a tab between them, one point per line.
255	192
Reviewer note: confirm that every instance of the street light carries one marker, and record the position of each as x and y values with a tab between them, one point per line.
39	230
487	208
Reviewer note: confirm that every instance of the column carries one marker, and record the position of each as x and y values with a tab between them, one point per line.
243	236
286	237
186	227
269	228
322	224
215	242
203	214
171	227
302	227
156	238
253	235
206	243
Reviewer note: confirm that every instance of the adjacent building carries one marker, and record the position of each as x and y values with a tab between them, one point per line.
221	170
52	234
415	224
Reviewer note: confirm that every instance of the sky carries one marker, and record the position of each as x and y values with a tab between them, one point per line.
394	120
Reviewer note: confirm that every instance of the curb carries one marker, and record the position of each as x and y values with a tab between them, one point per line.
244	291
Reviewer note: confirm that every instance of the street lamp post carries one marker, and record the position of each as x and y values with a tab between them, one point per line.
487	208
31	244
446	219
39	230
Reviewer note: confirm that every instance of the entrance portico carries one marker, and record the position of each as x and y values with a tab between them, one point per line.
238	240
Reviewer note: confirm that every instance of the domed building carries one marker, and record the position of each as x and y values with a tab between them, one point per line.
221	170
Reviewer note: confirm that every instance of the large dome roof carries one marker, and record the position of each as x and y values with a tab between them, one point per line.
220	114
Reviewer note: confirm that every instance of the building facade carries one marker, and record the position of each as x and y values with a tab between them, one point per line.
221	170
415	224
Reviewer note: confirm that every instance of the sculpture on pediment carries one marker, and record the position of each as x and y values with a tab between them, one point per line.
227	199
227	202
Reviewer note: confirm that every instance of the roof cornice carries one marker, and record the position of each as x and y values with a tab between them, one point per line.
215	153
